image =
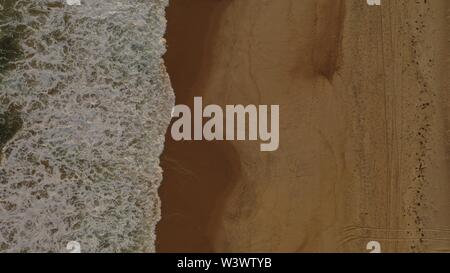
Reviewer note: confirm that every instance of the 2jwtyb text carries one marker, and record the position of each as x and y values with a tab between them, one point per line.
207	264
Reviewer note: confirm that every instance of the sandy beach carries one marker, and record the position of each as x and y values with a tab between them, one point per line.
364	127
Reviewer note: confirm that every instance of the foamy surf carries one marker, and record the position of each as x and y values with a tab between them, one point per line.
93	101
73	2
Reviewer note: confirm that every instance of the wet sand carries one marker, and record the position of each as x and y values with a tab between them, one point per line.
196	174
364	144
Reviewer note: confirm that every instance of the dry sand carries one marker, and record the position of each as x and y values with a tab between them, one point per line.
364	127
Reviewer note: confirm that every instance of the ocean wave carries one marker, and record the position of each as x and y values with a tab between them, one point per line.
90	94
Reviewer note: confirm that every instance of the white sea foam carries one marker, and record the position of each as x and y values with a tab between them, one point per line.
95	102
73	2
